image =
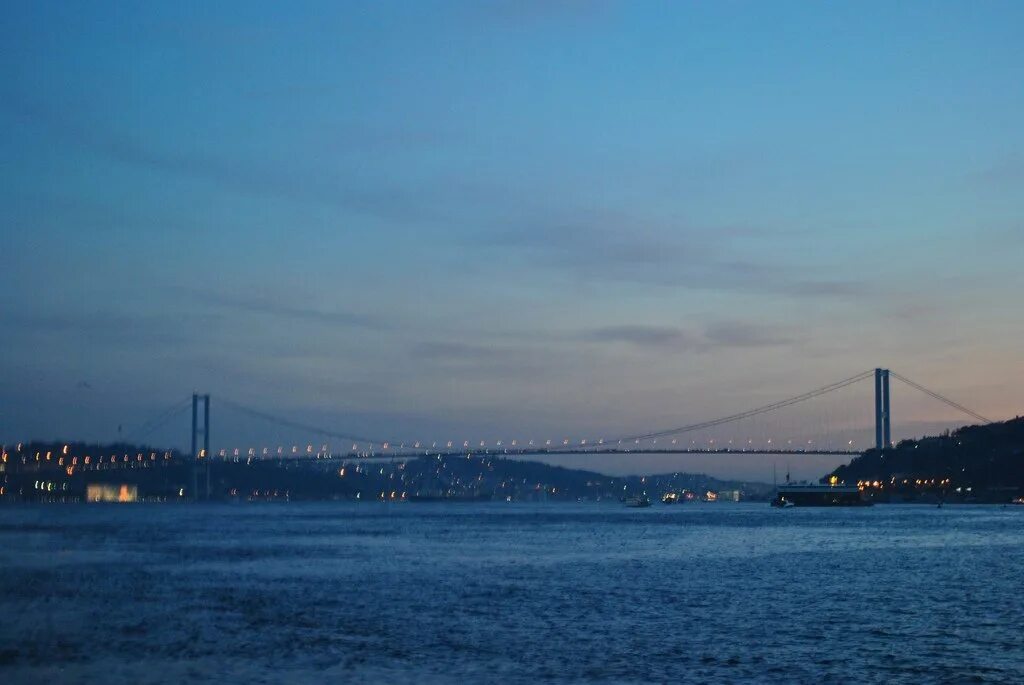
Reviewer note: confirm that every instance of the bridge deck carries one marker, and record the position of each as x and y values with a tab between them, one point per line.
512	452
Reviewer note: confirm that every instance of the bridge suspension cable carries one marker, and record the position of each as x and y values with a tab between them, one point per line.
753	412
159	420
941	398
288	423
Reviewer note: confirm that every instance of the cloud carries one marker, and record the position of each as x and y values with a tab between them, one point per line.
455	352
644	336
738	334
603	247
1008	171
725	334
478	362
532	12
252	178
100	327
280	309
597	239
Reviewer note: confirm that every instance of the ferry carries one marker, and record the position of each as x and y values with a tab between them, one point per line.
819	496
637	502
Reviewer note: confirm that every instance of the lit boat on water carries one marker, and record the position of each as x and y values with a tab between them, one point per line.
672	498
637	502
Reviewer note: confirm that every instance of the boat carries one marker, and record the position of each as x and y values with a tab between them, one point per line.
672	498
819	496
637	502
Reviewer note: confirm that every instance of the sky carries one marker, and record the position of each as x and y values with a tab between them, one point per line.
496	219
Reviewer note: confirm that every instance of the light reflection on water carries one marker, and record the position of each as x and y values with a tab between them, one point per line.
511	592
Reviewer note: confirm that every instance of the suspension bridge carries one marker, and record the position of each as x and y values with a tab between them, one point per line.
710	436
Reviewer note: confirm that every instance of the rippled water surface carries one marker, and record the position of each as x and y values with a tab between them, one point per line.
450	593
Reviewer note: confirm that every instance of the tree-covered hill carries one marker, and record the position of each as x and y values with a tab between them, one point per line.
982	462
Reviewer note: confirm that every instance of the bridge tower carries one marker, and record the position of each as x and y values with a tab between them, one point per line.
883	428
198	456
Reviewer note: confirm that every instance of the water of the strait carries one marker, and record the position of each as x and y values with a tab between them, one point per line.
497	592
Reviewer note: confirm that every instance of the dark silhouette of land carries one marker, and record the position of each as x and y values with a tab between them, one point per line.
982	463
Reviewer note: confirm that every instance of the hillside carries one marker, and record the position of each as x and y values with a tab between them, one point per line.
973	463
